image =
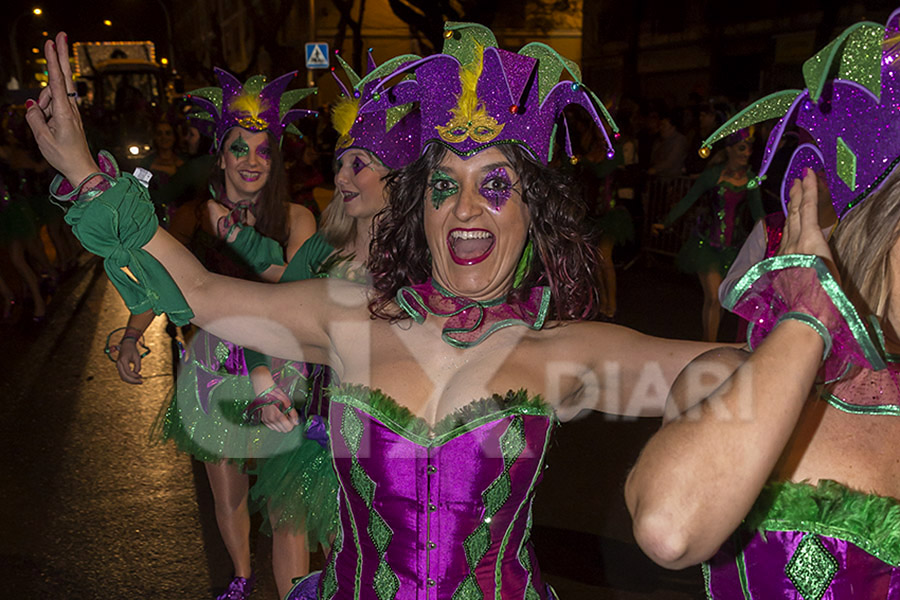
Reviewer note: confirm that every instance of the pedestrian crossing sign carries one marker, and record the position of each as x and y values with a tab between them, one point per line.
317	55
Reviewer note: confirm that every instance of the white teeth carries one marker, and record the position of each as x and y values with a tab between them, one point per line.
470	235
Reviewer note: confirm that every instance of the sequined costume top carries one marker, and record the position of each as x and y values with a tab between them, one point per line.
434	512
811	543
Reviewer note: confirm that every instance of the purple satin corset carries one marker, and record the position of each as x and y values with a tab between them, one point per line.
813	543
435	512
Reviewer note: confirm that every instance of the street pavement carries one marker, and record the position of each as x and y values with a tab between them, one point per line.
92	507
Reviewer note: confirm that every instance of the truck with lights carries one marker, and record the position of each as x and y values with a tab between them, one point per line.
124	90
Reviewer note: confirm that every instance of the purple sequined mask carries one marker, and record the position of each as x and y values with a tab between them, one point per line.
474	95
391	134
849	107
254	106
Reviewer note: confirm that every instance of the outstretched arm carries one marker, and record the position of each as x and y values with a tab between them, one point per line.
259	316
699	475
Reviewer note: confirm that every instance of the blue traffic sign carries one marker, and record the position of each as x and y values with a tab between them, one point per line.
317	55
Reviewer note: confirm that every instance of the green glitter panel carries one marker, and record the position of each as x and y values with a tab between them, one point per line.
477	544
380	533
855	49
386	582
329	578
771	107
222	352
846	164
811	568
352	430
362	483
497	494
468	590
465	35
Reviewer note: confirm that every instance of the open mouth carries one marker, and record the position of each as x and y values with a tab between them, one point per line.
348	196
250	176
470	246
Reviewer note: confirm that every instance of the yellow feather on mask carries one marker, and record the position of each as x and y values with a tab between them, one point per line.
468	77
344	114
252	105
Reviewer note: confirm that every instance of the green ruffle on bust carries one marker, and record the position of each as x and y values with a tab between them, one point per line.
115	225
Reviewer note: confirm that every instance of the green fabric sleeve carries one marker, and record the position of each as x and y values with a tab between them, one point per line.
255	359
257	250
705	182
115	225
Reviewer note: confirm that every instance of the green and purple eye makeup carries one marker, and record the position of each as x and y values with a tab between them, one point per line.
442	187
239	147
496	188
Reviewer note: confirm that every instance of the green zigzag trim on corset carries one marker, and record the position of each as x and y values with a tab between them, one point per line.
531	592
830	509
386	582
512	444
329	577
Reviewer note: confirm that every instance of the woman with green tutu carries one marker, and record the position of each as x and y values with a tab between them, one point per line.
245	231
730	203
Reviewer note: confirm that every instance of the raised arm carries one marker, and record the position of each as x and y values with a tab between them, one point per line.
287	320
699	475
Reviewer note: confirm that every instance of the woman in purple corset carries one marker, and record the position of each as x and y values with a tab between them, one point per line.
791	491
474	338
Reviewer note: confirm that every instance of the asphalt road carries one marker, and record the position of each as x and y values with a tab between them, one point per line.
91	508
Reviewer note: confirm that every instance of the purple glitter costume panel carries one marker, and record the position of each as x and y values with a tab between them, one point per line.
772	567
457	506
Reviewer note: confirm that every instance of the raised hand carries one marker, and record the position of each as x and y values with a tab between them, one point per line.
802	234
54	118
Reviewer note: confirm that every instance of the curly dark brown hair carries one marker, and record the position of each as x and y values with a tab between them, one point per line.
562	233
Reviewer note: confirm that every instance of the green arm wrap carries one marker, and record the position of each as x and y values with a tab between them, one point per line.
115	226
258	251
256	359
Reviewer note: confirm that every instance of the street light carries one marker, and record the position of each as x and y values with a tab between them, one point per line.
36	11
107	22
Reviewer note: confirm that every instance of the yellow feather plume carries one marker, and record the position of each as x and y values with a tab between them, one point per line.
344	114
252	105
468	76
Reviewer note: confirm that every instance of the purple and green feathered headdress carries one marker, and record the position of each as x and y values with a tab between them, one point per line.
849	107
255	105
475	95
391	134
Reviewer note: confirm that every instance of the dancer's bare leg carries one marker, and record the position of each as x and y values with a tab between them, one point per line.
230	490
608	273
290	556
712	310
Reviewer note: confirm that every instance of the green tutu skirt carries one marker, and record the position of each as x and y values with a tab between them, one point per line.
699	256
204	416
298	488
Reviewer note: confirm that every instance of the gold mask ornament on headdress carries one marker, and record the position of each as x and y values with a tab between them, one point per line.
250	107
470	117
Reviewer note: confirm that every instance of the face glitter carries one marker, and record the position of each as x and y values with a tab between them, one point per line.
496	188
442	187
239	148
264	151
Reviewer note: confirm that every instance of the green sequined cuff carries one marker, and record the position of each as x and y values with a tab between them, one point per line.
257	250
816	325
115	225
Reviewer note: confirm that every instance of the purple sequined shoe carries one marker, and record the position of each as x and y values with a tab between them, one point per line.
239	588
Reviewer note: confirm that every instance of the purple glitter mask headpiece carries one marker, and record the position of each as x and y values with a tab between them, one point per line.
391	134
255	106
475	95
849	107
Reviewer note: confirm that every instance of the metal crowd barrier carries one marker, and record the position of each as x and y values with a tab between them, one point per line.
659	196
